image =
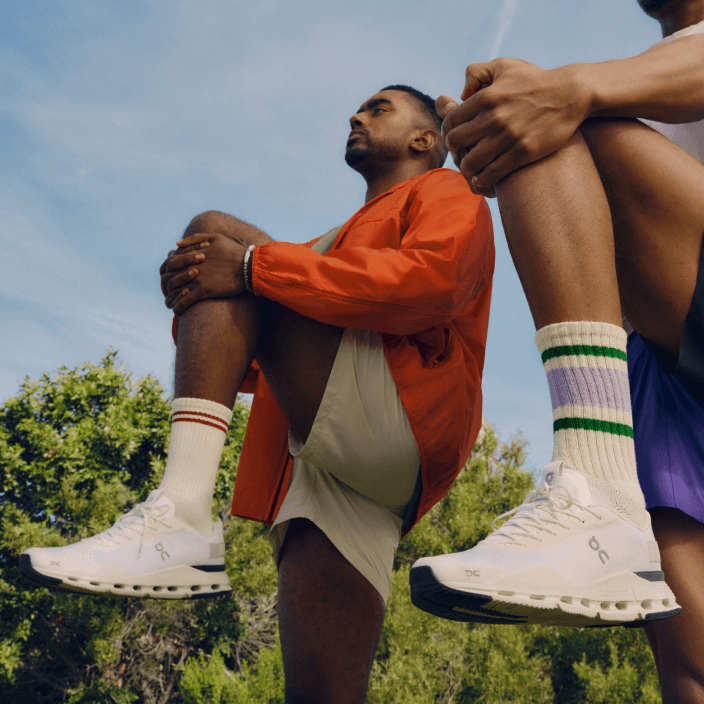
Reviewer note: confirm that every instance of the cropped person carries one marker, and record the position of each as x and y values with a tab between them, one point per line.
604	215
369	347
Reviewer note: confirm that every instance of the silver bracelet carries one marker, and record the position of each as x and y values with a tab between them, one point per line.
247	256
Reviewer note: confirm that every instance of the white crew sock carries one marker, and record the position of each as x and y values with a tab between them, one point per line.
591	400
198	430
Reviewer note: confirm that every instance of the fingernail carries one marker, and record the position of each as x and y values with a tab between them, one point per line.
200	257
450	106
475	181
191	273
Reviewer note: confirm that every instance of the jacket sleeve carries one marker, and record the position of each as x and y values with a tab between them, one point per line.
443	263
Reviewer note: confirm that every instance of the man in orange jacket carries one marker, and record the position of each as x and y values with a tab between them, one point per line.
369	345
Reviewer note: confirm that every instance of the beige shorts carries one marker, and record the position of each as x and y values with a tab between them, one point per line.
359	471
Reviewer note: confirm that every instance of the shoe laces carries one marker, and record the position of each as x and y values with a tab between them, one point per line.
136	521
543	508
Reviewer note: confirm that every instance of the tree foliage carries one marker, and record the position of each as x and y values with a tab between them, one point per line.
81	447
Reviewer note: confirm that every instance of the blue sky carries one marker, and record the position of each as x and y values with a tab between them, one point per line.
120	121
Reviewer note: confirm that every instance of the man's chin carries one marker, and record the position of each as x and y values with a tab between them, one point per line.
353	156
652	7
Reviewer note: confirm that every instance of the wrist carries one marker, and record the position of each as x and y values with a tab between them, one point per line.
583	86
247	266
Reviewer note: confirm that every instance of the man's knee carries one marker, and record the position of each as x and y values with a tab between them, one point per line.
210	222
682	687
213	222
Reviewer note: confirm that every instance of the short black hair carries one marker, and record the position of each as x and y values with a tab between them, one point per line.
427	105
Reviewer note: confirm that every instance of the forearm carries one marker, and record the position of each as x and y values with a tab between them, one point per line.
390	291
665	83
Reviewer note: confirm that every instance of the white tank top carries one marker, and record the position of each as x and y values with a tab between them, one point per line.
689	135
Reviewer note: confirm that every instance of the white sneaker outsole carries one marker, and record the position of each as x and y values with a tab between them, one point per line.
654	601
181	582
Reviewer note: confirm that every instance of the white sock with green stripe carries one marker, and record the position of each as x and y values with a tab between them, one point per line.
198	431
591	401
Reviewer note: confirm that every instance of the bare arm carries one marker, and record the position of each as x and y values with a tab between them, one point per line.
665	83
515	113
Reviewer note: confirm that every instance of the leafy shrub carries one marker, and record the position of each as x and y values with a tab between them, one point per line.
80	448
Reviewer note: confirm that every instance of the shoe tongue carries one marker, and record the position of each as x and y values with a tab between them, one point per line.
161	503
576	483
556	474
552	473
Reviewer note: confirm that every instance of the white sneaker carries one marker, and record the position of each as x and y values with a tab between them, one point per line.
147	552
566	557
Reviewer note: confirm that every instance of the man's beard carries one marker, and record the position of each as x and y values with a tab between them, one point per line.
357	152
370	156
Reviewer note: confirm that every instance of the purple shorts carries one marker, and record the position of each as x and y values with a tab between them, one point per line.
668	425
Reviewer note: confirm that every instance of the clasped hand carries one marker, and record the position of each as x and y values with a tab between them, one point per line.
513	114
203	266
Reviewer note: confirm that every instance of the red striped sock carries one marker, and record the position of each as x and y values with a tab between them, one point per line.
198	433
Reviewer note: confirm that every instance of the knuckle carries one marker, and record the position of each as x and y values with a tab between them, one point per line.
467	169
524	146
510	132
454	141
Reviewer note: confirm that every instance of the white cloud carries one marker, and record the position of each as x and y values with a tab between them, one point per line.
508	9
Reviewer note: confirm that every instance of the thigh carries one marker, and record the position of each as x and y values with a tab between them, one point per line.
362	434
330	620
656	197
296	354
678	643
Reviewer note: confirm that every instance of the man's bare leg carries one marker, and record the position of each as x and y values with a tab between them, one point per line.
678	644
558	227
330	618
218	339
656	194
216	343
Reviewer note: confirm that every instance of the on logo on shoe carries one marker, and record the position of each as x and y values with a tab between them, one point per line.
594	545
160	548
472	573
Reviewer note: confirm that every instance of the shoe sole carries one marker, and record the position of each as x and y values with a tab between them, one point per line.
183	582
434	597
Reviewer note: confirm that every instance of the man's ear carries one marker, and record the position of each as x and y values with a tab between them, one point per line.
423	141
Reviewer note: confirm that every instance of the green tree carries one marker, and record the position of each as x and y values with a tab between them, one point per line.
81	447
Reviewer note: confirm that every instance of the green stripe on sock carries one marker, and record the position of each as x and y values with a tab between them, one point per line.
600	426
589	350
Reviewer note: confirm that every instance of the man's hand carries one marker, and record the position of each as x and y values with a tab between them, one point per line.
218	273
513	114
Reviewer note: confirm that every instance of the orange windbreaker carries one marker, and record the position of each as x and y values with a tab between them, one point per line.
416	265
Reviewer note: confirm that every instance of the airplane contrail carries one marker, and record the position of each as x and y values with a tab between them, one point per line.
505	18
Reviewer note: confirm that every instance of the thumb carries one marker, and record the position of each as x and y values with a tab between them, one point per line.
477	76
443	105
